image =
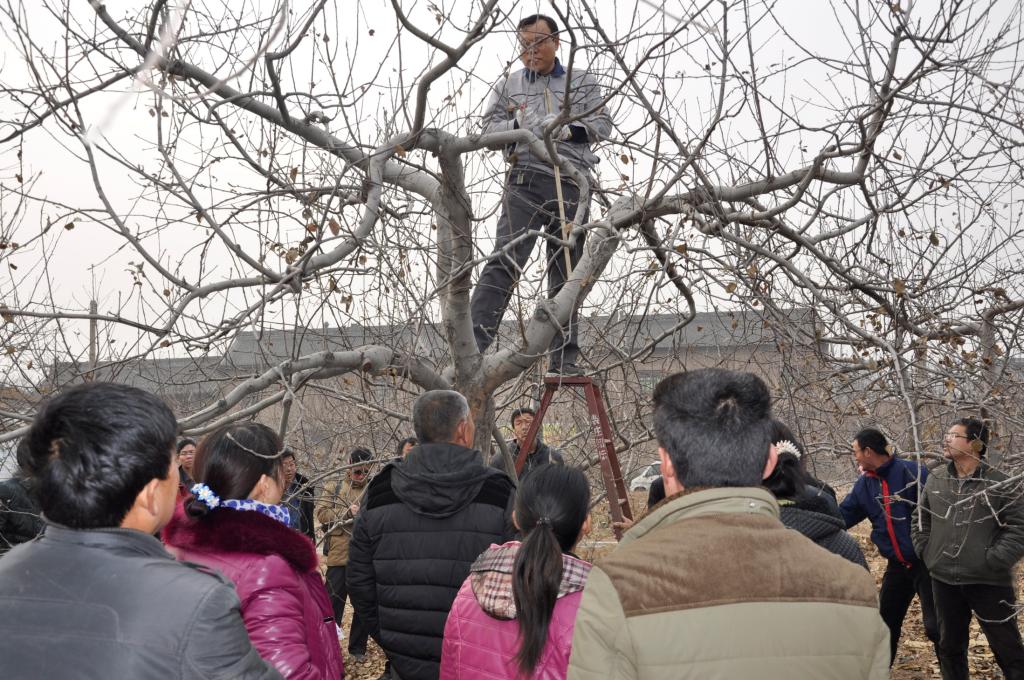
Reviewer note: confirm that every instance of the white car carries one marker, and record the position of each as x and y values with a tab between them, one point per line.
643	481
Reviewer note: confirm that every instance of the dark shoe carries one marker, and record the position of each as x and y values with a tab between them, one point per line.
565	369
358	657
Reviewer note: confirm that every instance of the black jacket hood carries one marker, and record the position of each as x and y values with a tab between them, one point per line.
439	480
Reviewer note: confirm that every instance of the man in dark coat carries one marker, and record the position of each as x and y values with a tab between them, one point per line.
19	514
299	496
20	519
186	461
421	525
540	453
97	596
969	530
886	495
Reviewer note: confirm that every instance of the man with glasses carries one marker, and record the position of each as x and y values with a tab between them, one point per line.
186	461
969	530
298	495
336	514
532	99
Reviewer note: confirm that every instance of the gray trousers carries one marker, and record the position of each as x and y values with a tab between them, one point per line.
530	203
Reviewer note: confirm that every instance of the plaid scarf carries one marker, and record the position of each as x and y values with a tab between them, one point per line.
491	578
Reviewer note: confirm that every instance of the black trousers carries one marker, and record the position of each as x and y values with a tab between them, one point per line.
530	203
994	607
899	586
337	590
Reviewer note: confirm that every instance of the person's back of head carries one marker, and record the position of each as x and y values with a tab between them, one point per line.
233	461
442	417
788	479
714	426
96	449
551	509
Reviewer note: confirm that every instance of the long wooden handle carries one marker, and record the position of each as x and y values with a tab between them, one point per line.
561	201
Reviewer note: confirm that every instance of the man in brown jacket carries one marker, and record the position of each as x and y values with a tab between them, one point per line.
710	584
336	514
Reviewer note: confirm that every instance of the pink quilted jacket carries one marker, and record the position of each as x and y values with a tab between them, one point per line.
274	568
481	634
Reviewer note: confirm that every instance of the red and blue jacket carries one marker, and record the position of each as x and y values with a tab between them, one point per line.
887	496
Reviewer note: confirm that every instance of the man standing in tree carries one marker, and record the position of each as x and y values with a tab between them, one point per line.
531	99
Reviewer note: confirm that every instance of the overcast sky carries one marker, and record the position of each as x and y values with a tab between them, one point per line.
88	261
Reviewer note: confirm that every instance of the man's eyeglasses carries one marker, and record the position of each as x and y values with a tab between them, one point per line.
954	435
360	472
534	44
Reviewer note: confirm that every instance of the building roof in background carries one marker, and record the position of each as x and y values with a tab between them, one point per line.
741	328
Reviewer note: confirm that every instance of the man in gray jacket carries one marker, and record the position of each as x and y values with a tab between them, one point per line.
531	99
97	596
969	530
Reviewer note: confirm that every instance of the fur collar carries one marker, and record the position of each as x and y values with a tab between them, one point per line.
240	531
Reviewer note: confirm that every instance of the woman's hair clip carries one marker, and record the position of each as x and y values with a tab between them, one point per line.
206	495
786	446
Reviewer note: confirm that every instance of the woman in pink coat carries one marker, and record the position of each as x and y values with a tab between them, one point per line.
234	523
514	615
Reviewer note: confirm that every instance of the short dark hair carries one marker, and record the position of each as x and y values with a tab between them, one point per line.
359	455
402	443
437	413
534	18
714	424
92	449
231	460
976	430
872	438
287	452
521	411
185	441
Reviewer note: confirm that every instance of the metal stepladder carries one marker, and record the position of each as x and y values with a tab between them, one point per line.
615	487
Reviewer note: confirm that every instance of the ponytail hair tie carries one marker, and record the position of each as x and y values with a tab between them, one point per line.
544	520
206	495
786	446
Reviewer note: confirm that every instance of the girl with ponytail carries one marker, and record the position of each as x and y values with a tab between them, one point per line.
234	522
514	616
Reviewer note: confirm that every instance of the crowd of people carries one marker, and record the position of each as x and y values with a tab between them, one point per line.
743	570
130	553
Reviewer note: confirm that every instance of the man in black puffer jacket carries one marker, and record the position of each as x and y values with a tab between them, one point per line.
20	516
421	525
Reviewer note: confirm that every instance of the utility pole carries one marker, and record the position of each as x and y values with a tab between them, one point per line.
93	340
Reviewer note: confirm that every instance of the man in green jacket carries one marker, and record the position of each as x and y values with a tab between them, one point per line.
969	529
711	584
